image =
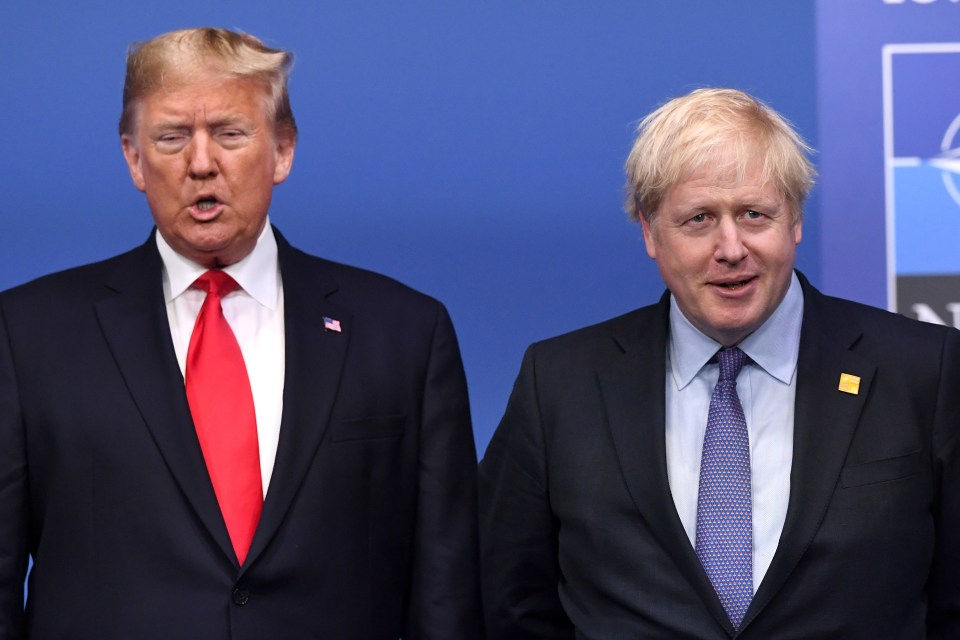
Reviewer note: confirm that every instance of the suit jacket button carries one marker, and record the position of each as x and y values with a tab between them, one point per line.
241	597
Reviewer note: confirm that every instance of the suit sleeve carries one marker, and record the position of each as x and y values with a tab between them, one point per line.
14	513
943	619
518	531
445	595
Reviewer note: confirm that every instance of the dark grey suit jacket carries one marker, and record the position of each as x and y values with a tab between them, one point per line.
580	537
368	529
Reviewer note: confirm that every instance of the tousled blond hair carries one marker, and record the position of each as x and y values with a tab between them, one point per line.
206	52
709	126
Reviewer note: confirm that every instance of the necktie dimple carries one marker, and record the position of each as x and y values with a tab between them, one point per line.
724	538
221	402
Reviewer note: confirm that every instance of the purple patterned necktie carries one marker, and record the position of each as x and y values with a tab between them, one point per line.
724	541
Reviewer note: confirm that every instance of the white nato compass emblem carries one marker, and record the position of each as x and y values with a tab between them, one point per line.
948	161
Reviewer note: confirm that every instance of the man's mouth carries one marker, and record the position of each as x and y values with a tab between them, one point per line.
206	204
733	286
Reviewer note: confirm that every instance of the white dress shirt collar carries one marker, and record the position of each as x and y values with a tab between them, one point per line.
774	347
257	274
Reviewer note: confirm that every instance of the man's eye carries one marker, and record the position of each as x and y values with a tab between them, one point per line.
230	135
699	218
171	138
753	215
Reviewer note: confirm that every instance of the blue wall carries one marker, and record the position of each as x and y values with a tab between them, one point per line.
470	149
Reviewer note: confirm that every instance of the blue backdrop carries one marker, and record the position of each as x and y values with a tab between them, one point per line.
471	149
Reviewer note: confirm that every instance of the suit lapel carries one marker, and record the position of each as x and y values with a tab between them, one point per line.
634	396
824	422
314	361
135	326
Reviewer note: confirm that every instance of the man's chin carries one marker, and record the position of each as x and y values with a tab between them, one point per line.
214	255
729	331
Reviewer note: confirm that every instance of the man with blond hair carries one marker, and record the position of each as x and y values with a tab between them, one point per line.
216	436
747	458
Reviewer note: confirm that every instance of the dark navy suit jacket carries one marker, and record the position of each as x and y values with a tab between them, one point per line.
368	530
581	538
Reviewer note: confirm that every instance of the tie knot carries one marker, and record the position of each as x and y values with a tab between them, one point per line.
218	283
731	361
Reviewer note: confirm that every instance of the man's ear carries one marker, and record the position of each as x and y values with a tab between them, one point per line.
648	236
285	146
131	153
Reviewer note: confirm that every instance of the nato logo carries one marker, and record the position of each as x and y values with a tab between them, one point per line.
922	162
949	160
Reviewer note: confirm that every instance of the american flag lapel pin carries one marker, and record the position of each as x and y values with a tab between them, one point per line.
329	324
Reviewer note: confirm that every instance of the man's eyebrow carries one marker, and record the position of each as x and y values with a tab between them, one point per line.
228	118
764	202
170	123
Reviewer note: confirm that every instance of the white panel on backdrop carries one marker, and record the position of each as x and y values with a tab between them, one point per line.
921	109
887	114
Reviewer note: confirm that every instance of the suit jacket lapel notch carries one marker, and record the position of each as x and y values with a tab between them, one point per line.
633	390
135	325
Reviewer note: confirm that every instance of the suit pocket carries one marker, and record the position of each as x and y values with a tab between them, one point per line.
882	470
371	428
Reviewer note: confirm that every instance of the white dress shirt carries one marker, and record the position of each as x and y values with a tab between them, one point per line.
767	388
254	312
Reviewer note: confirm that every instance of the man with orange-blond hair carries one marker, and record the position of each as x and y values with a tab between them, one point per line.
217	436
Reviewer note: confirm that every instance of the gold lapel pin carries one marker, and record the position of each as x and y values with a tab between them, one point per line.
849	383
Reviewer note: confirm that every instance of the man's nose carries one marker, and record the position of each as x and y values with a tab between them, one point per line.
730	246
203	156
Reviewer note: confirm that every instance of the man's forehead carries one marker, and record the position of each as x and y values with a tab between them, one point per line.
206	102
727	161
726	175
746	184
211	93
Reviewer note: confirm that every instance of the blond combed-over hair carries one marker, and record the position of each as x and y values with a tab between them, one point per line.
712	126
201	53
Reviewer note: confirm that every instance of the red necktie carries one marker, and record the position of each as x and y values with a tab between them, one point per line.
221	402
